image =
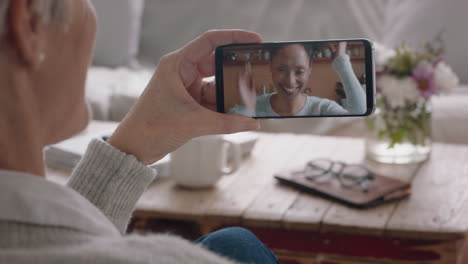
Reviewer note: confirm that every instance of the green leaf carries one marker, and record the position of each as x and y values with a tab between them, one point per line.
381	134
403	63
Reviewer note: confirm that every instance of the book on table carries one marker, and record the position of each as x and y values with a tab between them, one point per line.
68	153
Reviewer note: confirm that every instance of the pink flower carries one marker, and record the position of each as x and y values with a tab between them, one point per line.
423	75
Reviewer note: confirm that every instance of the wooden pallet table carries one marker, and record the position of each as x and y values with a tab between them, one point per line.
428	227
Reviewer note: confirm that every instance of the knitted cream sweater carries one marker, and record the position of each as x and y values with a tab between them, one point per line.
42	222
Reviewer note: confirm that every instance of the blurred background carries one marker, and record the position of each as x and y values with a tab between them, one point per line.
134	34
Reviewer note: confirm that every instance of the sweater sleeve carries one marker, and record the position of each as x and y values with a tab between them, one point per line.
112	180
354	92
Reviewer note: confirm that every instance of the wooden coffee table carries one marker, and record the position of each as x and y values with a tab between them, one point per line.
429	227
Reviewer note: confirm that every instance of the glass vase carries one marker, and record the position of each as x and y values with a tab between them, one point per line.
399	135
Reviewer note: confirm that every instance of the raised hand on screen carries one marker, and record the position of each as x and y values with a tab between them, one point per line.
338	49
246	86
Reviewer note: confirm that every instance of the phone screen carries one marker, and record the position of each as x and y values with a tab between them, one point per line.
296	79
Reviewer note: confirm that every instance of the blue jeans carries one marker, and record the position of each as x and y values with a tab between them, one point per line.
238	244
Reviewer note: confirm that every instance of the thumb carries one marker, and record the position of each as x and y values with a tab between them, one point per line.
228	123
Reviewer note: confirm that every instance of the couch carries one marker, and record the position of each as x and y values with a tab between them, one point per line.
134	34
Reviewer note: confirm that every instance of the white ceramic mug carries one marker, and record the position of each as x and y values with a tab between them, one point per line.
203	161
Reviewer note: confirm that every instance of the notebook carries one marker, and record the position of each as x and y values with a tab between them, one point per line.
68	153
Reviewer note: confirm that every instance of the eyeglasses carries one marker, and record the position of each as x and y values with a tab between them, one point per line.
348	175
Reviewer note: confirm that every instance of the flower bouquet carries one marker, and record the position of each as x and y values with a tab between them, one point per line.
407	78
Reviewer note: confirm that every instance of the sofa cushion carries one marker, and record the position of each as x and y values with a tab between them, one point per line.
118	36
168	25
450	117
112	92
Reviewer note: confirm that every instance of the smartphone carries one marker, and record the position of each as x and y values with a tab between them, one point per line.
296	79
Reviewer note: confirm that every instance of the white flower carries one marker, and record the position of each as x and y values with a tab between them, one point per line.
445	79
398	91
425	66
382	55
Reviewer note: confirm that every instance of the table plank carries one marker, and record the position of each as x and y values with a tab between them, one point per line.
272	207
163	200
306	213
270	154
438	207
166	200
436	211
372	221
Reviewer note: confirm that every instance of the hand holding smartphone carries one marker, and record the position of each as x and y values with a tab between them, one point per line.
323	78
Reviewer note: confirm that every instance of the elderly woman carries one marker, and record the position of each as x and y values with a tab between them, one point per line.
45	49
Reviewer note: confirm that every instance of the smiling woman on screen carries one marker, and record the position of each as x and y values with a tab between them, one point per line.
291	66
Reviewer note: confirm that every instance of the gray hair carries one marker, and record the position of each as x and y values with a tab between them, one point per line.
48	10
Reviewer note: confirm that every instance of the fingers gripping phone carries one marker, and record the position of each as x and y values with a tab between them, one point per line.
325	78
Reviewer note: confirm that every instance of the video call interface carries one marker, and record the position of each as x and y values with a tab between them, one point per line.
295	79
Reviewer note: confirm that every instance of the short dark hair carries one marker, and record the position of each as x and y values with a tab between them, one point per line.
309	49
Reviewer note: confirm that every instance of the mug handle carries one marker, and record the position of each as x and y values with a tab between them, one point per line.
236	148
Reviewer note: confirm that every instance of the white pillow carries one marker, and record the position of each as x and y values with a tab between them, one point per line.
416	21
118	36
168	25
112	92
